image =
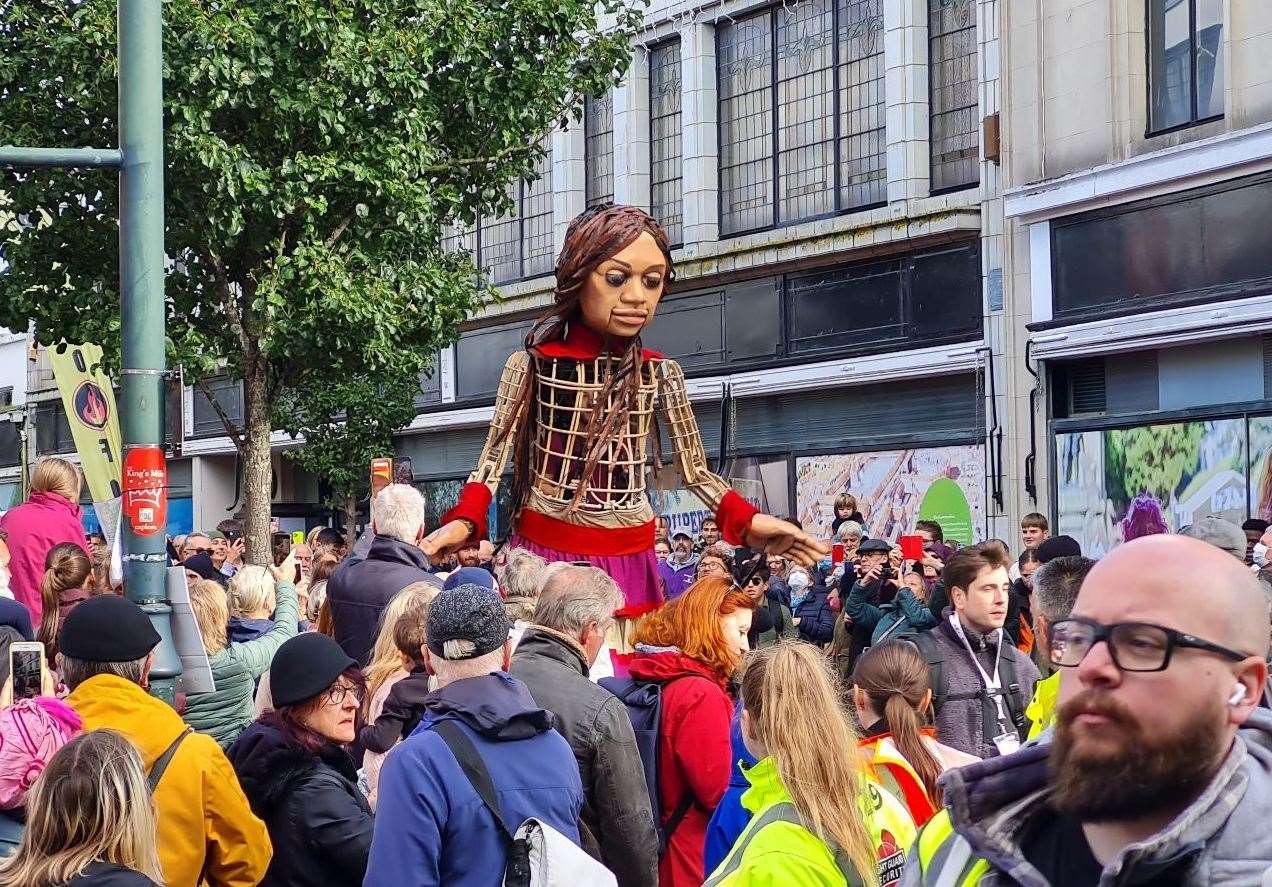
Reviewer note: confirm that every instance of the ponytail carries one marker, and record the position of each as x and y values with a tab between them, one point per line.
906	729
66	567
894	676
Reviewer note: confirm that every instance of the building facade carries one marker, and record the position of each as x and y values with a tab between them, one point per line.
828	173
1138	193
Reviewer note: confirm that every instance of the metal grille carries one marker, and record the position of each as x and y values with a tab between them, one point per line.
536	220
955	132
863	167
744	53
666	171
518	245
822	149
500	245
806	117
598	138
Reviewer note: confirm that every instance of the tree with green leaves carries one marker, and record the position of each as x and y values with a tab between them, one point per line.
345	424
316	152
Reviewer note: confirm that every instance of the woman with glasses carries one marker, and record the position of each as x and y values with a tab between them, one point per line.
296	770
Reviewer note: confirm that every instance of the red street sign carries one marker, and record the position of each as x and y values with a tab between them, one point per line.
146	490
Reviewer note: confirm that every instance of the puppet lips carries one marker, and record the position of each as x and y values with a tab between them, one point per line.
630	316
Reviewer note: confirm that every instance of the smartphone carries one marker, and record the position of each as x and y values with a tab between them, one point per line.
837	553
298	537
911	548
26	668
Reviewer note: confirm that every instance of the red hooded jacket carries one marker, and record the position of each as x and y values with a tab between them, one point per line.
34	527
694	755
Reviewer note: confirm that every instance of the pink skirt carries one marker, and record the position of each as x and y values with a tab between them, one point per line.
636	574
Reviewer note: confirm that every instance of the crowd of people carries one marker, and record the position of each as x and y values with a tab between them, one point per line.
946	714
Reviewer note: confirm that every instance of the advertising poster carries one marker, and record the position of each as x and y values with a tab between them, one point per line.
896	488
1119	484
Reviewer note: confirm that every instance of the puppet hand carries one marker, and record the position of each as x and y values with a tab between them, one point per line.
776	536
448	538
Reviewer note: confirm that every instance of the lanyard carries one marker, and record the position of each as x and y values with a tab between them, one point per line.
993	684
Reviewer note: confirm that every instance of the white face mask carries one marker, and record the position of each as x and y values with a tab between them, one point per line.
1260	554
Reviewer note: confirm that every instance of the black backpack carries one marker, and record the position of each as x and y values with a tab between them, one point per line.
644	708
934	654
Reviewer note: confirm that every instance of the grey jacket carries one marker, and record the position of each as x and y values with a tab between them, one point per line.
960	722
1220	840
616	824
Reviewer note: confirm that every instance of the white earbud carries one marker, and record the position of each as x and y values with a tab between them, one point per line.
1238	694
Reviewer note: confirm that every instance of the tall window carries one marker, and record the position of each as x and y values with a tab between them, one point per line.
1185	62
955	130
801	113
665	168
517	245
598	140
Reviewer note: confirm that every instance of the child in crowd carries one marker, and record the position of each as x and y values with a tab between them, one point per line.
395	709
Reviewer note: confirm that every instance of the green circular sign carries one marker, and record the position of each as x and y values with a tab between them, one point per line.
946	504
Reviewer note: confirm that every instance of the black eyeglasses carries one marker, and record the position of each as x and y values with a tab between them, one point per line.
337	694
1133	646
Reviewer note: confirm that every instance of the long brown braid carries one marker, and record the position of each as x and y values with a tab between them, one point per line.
592	237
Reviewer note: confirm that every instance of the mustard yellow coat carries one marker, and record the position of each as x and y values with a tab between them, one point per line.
205	823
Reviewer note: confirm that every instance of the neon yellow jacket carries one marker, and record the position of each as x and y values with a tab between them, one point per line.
775	849
1042	709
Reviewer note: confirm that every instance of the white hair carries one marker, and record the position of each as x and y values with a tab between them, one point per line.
449	671
849	529
576	597
398	512
522	573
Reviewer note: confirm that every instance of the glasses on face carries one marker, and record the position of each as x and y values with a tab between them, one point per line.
1133	646
756	580
339	693
710	567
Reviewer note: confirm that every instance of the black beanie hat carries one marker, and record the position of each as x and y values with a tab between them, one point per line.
107	628
1057	546
304	666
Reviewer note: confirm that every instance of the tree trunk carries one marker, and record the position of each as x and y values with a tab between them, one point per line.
257	470
351	517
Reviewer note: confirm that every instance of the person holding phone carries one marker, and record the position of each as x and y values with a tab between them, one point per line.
906	613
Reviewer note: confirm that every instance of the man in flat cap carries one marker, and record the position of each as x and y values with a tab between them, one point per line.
432	826
207	833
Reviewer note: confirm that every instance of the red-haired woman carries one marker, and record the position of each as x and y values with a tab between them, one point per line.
575	412
693	646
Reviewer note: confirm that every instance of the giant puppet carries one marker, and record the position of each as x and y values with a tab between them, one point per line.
575	412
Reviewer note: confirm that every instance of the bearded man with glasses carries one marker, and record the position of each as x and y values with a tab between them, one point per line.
1160	767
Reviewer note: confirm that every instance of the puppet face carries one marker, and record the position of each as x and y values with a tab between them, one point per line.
620	296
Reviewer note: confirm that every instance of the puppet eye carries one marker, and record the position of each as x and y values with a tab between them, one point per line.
615	278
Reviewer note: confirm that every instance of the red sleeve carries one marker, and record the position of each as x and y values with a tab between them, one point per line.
734	517
702	744
473	505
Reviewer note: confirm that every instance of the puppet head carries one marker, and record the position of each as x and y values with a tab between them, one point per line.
613	270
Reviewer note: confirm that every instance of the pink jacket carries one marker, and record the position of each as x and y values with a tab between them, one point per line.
34	527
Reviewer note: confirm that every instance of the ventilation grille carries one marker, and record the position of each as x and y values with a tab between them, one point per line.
1087	393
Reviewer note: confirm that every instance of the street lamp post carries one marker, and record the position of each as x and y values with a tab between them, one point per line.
139	160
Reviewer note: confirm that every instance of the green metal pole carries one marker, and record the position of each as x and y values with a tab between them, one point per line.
141	267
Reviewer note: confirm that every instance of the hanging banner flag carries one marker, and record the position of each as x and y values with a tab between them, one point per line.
90	411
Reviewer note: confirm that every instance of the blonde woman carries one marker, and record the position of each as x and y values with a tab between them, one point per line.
388	665
815	820
253	599
90	820
50	515
236	665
